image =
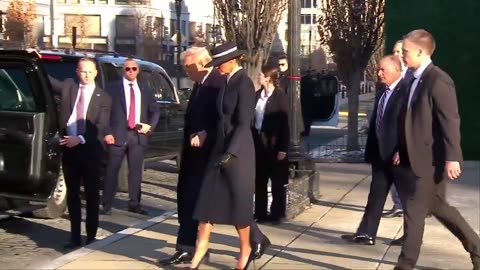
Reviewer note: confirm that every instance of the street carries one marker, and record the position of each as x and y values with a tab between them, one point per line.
28	242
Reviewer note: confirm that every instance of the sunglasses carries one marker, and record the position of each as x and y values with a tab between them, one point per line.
281	65
128	69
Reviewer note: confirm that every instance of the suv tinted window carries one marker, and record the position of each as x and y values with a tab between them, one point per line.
15	90
158	83
61	70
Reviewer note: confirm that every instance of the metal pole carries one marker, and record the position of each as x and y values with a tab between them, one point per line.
178	7
295	151
52	22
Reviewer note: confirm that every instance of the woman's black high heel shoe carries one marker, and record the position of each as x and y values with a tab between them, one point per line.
204	259
250	259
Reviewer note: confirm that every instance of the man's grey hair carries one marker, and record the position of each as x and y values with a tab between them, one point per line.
200	55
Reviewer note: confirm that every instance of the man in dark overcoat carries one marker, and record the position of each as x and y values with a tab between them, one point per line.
201	120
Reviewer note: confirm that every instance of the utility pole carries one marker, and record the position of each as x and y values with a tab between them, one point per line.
178	9
52	22
295	151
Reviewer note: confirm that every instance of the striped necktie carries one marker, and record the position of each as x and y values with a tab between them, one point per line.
380	108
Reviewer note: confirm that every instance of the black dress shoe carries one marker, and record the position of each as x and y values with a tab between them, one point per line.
397	242
138	210
393	213
178	257
363	239
91	240
72	245
258	249
106	211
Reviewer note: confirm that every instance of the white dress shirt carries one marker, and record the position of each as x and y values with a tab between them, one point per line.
138	98
72	121
233	73
389	94
418	74
260	108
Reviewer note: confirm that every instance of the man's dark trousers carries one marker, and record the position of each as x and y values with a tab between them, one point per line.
425	195
383	176
81	164
135	155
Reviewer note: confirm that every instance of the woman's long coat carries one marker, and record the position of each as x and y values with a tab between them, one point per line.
226	196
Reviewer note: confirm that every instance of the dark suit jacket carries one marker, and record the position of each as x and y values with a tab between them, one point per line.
275	133
432	124
381	149
284	82
98	112
149	112
201	113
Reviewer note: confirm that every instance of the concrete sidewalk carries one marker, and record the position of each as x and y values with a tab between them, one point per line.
310	241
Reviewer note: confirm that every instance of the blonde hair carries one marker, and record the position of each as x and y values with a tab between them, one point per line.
423	39
200	55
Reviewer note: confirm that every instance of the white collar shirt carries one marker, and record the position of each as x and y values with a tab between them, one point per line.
138	98
418	75
260	108
87	96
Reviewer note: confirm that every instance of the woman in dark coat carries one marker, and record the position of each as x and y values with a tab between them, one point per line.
271	136
226	196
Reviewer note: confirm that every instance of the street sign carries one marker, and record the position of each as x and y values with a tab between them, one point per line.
174	39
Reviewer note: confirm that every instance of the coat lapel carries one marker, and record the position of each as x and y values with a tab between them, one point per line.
93	104
73	96
392	100
420	85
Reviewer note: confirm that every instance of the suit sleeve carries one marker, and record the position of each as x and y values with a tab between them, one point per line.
57	85
284	136
445	109
106	109
153	110
244	111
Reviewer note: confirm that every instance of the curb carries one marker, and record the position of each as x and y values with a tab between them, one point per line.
98	245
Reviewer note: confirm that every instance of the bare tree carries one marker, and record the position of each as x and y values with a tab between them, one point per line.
372	67
353	31
199	37
252	24
21	16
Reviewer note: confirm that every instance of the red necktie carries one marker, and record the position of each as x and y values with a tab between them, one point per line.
131	110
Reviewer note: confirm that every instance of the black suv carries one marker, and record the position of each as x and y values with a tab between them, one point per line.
29	132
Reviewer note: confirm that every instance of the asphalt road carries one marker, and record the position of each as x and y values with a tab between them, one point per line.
28	243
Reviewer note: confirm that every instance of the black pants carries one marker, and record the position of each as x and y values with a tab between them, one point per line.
268	167
383	176
427	196
79	165
135	155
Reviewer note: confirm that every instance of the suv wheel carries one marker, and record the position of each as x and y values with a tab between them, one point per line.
57	204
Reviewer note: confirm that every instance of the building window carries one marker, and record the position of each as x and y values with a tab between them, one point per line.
306	3
159	24
125	26
61	2
132	2
90	2
173	27
102	2
306	19
87	25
